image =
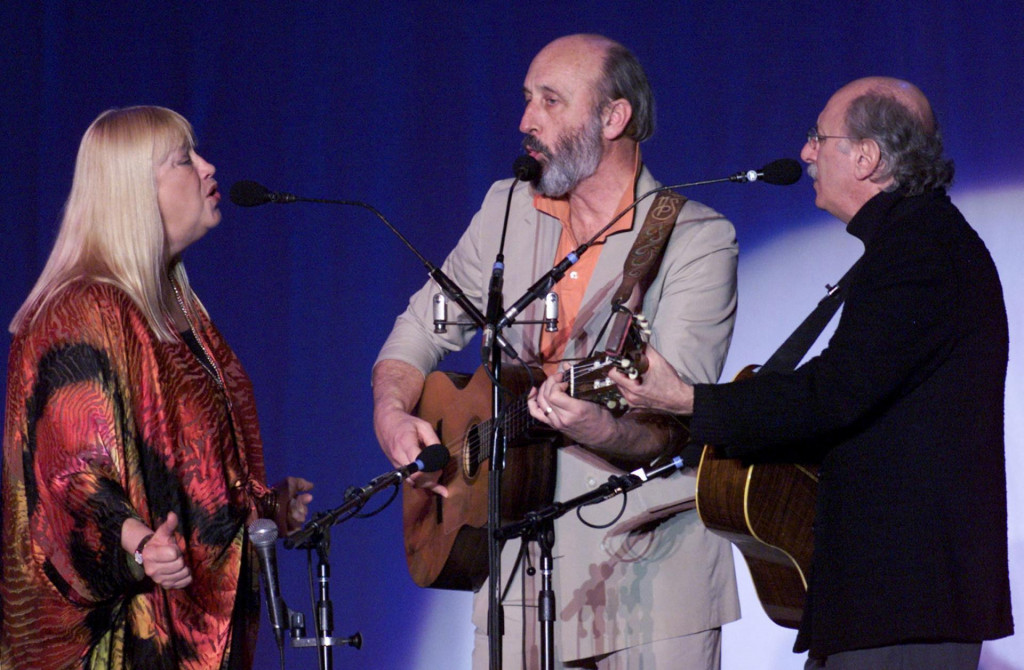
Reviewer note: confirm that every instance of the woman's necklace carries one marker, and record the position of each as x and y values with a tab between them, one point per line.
212	368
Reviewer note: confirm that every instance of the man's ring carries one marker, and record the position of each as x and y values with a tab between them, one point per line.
548	410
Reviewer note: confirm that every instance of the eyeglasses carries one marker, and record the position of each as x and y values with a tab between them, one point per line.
815	139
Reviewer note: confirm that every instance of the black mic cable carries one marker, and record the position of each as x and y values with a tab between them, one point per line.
431	459
615	485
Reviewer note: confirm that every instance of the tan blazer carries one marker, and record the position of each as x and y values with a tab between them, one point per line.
657	573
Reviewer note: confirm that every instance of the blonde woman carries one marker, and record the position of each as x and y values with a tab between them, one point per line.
132	457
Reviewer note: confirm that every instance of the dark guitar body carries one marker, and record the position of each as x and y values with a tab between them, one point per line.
446	538
767	511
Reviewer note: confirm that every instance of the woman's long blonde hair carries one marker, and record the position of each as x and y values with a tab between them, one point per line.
112	230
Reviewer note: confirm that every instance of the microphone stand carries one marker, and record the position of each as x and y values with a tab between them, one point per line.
555	274
324	625
495	324
495	613
538	526
448	287
316	535
491	332
355	498
498	447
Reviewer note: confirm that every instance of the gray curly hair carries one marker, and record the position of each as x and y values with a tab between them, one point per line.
910	146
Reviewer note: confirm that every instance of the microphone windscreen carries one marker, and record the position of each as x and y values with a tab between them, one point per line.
783	172
434	458
249	194
526	168
263	532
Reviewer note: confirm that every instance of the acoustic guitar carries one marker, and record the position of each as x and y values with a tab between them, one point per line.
767	511
446	538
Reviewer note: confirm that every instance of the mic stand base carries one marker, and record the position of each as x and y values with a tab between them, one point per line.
355	640
324	642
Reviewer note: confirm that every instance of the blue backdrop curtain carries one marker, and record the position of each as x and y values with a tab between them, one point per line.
413	107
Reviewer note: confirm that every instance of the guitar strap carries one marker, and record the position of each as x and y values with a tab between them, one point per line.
644	258
792	351
642	265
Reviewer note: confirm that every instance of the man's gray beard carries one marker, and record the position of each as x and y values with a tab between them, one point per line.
575	158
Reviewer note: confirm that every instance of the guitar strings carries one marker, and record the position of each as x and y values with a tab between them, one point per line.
518	414
479	434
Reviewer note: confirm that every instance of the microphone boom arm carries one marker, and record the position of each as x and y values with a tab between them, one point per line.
782	171
444	282
615	485
354	500
541	287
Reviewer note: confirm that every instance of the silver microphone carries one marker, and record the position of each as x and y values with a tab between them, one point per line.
263	535
551	312
440	313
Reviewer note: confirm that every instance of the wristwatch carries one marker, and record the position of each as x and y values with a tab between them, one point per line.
142	545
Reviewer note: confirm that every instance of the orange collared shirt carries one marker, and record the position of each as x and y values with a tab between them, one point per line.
573	285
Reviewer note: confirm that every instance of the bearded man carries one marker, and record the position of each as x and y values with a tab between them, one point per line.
654	588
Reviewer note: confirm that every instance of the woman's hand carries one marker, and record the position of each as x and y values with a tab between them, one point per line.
292	503
162	558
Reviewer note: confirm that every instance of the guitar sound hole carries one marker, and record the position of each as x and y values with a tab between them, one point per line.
471	451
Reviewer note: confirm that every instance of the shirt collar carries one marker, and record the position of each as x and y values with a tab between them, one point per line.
885	206
559	207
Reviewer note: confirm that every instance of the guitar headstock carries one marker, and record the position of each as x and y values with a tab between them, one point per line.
588	380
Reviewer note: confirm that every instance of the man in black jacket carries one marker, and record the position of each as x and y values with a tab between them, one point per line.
903	409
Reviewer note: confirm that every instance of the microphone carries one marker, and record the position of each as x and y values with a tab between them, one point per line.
644	476
551	312
263	534
440	305
527	168
781	172
431	459
251	194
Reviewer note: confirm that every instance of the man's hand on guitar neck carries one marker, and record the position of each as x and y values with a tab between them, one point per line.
581	421
627	438
396	389
659	388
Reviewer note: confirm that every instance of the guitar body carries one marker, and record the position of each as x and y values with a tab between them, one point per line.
446	538
767	511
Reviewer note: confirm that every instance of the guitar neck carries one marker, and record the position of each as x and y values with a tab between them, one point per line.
585	380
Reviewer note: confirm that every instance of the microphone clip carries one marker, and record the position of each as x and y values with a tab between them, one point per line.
745	176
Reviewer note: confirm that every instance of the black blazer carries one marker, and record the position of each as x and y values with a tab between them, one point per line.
904	411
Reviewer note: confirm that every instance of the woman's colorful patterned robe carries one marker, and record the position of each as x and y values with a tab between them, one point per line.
105	422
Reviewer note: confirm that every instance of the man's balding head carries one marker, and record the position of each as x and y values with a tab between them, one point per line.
616	74
897	116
